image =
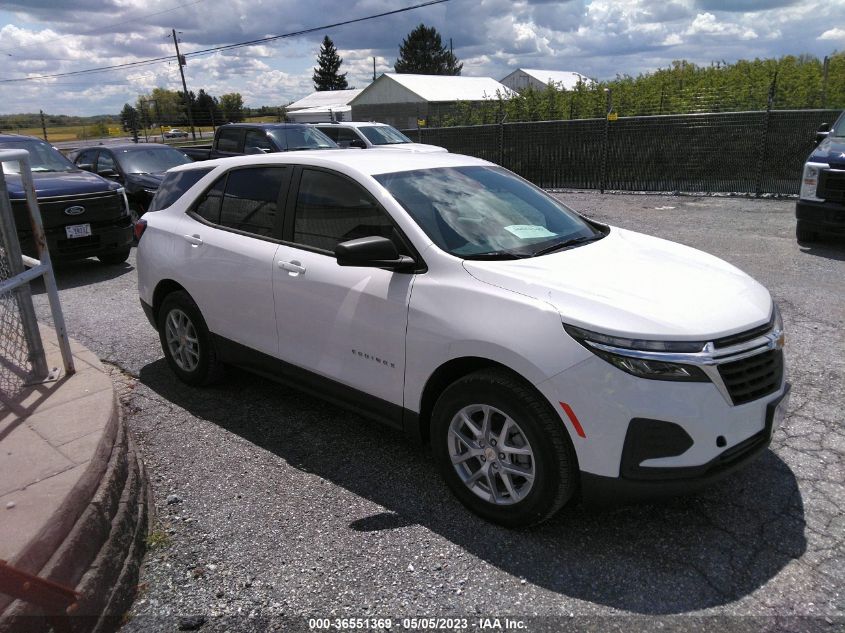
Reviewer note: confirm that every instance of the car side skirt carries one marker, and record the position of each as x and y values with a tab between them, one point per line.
387	413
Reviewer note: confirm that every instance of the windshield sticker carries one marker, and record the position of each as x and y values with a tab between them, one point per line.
529	231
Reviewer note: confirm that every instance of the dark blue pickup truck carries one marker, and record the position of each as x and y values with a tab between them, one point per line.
821	207
84	215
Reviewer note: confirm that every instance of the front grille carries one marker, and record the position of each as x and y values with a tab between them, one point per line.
99	207
753	377
831	186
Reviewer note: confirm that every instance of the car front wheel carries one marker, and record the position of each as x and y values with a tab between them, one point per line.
502	450
186	341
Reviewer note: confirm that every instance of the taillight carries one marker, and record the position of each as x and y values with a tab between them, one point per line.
140	227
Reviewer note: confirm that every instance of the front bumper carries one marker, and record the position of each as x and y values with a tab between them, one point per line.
664	482
106	237
828	217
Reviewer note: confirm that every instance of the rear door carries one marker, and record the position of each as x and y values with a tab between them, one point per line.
343	323
227	246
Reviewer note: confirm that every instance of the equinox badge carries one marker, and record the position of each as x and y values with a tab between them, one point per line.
77	210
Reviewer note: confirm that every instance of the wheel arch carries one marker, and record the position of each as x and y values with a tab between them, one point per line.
445	375
164	288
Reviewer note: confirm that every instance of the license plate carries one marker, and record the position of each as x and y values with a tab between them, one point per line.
780	412
78	230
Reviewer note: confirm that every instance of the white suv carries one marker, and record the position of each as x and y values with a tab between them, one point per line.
370	135
538	351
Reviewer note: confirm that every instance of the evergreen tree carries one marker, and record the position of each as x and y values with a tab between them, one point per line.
423	53
129	119
326	76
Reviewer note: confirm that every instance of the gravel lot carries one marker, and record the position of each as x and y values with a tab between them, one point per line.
287	508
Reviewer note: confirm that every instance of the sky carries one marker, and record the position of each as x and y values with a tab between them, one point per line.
598	38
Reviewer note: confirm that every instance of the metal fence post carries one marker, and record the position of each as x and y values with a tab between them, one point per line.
502	118
605	142
37	358
764	140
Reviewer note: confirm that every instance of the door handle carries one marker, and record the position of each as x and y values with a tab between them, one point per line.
193	240
295	268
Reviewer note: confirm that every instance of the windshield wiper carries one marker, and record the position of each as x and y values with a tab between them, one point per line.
495	255
568	243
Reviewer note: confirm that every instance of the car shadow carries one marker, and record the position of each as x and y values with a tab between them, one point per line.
678	556
832	247
82	272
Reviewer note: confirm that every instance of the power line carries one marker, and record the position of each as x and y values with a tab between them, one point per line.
214	49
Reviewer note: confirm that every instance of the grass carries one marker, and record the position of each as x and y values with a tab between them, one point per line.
157	539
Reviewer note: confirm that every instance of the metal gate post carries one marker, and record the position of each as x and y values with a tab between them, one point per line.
37	358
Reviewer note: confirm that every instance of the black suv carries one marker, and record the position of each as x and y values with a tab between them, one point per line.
84	215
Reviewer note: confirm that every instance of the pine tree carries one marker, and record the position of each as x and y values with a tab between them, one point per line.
326	76
423	53
129	119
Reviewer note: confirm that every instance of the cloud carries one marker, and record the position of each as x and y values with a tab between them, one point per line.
835	35
600	38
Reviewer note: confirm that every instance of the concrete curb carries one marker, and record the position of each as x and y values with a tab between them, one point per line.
95	538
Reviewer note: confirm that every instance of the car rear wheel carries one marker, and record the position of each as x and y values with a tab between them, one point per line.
186	341
502	450
112	259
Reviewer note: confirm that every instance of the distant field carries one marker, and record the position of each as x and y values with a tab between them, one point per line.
80	133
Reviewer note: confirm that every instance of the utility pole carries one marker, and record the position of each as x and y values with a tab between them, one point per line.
181	61
374	68
44	126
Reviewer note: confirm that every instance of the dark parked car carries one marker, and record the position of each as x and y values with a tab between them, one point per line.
236	139
138	167
84	215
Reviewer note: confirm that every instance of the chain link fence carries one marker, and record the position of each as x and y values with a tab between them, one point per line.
14	350
760	152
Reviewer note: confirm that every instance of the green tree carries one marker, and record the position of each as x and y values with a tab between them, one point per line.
422	52
129	119
232	107
325	75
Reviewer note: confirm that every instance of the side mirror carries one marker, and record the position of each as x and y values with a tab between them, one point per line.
823	133
86	166
256	150
372	252
108	173
358	143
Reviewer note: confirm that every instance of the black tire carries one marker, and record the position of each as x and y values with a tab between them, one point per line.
554	461
114	258
804	234
207	368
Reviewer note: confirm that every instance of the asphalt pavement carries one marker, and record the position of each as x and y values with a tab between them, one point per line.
275	507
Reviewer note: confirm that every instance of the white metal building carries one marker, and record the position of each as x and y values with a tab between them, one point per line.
400	100
321	106
522	78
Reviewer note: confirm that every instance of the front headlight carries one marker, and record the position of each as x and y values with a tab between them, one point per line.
627	354
810	181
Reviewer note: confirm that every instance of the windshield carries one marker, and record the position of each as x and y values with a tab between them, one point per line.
150	160
838	128
294	138
486	212
384	135
42	157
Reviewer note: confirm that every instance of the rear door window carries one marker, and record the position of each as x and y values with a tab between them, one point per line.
251	200
174	185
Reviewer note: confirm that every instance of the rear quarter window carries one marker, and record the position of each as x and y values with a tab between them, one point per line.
174	185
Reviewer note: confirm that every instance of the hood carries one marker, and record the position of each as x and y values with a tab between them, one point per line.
144	181
420	148
62	183
831	151
629	284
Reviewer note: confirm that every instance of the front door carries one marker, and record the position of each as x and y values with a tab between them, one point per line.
343	323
